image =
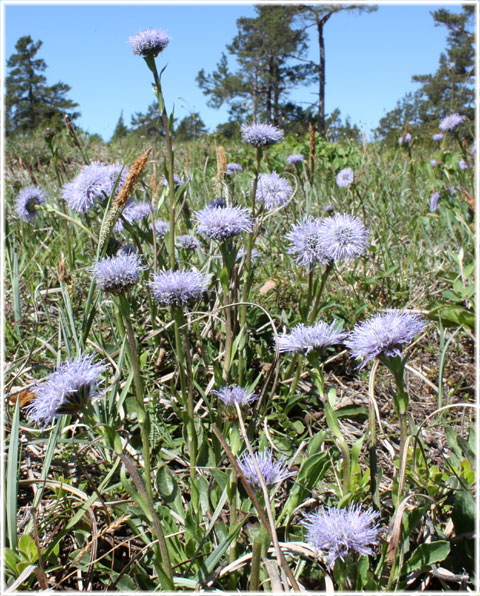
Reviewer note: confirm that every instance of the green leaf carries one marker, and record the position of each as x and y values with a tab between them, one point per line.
452	315
427	554
332	421
463	514
12	478
26	545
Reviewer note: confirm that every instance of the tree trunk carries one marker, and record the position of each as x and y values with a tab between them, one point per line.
321	80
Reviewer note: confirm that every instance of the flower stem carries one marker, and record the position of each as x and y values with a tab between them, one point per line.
142	414
314	312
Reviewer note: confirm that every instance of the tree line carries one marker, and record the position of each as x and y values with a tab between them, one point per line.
270	53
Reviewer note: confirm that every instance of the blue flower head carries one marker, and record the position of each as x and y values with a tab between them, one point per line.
450	122
234	394
342	237
187	242
273	190
334	532
295	158
133	212
306	244
116	275
161	227
405	139
438	136
149	43
304	339
273	471
65	391
434	200
233	168
383	334
344	177
261	135
178	287
218	223
27	200
94	182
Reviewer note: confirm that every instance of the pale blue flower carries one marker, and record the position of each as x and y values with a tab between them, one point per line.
261	135
27	200
295	158
273	471
342	237
234	394
303	339
273	190
345	177
450	122
117	274
218	223
178	287
306	244
434	200
149	43
233	168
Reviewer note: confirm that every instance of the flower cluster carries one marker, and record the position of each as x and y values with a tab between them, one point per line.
233	168
178	287
273	190
295	158
450	122
345	177
149	43
305	243
261	135
333	532
161	227
27	200
218	223
343	237
116	275
304	339
65	391
273	471
133	212
383	334
187	242
234	394
94	182
405	139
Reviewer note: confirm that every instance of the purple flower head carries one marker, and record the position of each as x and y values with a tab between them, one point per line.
177	181
133	212
463	165
271	470
295	158
306	243
178	287
27	200
116	275
273	190
234	394
94	183
65	391
406	138
345	177
450	122
383	334
161	227
233	168
434	199
261	135
149	43
343	237
433	162
333	531
304	339
438	136
187	242
219	223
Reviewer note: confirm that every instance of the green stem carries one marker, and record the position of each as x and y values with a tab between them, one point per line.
248	265
142	414
314	312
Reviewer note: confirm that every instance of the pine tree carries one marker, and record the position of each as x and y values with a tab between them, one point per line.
263	49
317	16
121	129
29	101
190	128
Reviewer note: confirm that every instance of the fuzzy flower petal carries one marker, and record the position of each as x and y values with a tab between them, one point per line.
218	223
343	237
304	339
438	136
65	391
450	122
133	212
178	287
434	200
344	177
234	394
306	244
149	43
273	471
273	190
118	274
161	227
405	139
27	200
295	158
94	183
233	168
333	532
384	334
261	135
187	242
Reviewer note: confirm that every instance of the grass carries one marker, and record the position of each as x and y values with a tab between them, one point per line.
78	507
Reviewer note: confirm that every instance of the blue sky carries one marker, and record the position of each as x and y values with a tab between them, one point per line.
370	58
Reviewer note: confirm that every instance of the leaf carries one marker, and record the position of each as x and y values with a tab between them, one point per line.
463	514
452	315
427	554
